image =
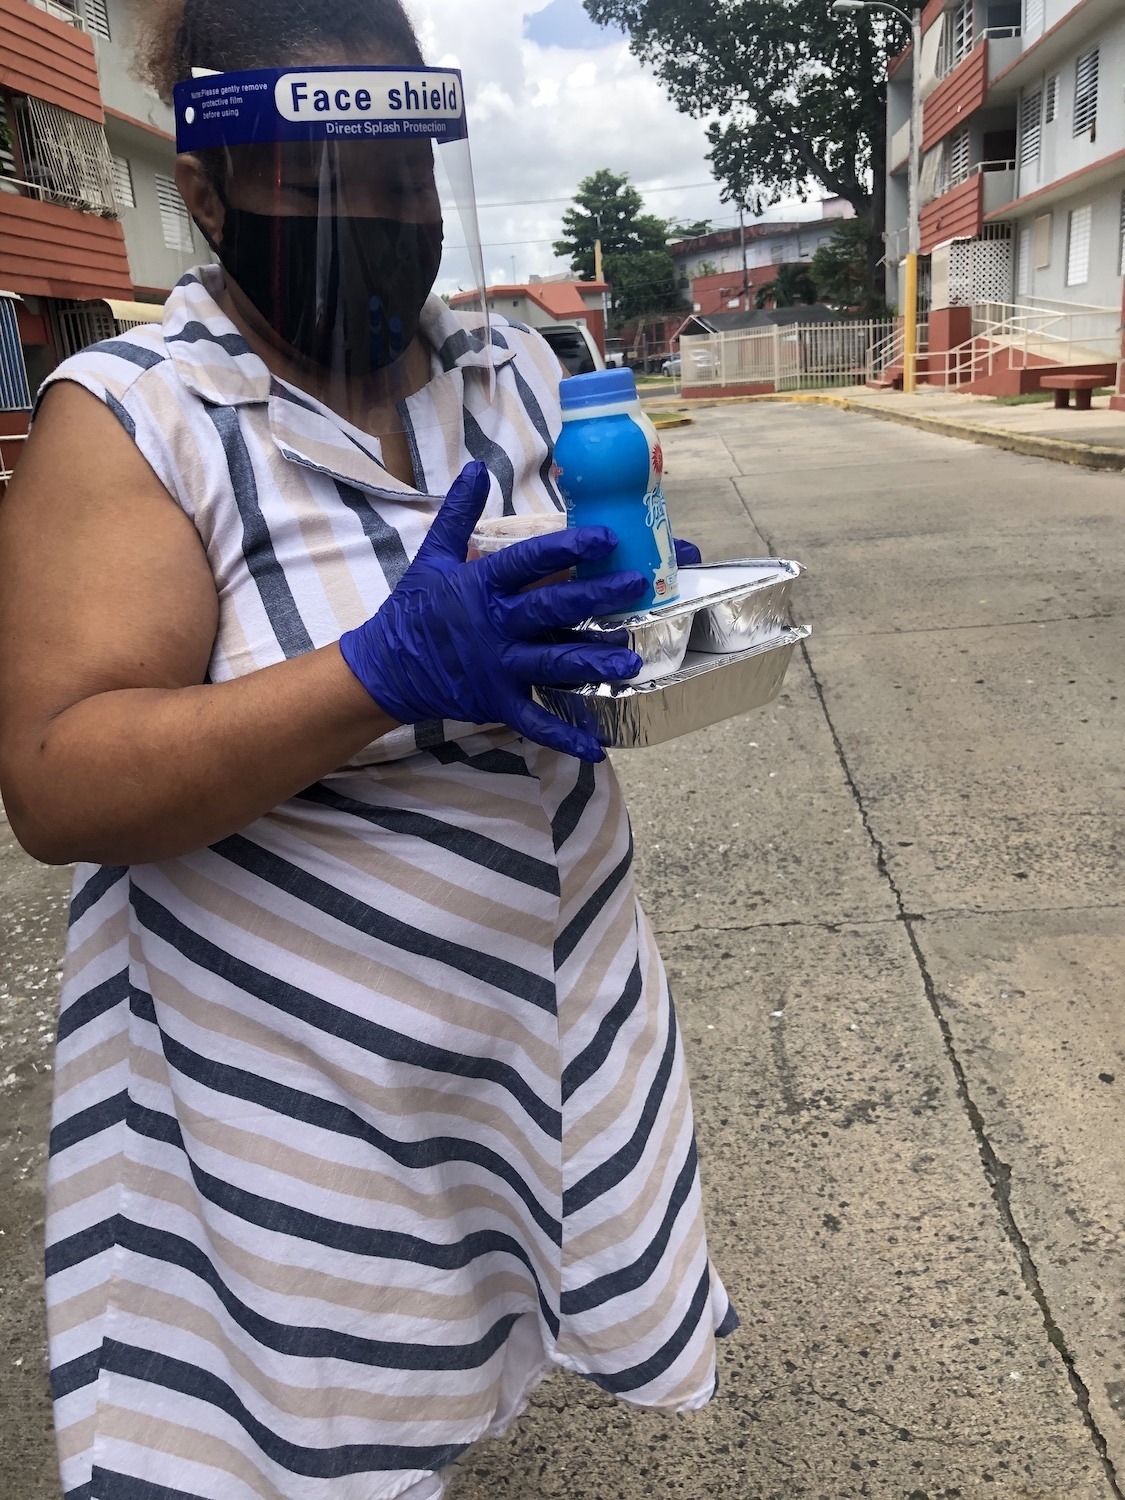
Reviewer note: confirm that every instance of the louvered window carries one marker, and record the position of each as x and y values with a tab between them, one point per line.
1032	15
123	183
1051	107
97	18
66	158
1023	281
174	220
1086	93
14	393
1078	246
959	157
1121	256
1031	127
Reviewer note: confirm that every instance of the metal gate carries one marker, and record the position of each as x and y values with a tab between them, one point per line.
793	357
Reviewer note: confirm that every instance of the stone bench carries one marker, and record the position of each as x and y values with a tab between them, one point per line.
1083	387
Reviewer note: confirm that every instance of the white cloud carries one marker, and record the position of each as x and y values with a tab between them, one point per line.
542	118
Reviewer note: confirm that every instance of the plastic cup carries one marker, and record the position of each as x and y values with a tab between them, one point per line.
495	536
498	535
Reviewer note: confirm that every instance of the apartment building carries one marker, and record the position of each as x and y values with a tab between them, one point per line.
716	275
1023	157
93	233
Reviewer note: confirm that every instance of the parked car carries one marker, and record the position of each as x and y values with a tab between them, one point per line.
702	365
574	347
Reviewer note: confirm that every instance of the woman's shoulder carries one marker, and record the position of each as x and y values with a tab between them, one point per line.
113	368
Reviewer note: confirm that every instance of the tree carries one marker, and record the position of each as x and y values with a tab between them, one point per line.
839	268
638	267
797	95
791	286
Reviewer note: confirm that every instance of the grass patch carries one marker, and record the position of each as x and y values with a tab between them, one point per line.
1041	398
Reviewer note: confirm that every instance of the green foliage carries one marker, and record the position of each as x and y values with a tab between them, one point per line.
839	269
638	267
793	286
797	95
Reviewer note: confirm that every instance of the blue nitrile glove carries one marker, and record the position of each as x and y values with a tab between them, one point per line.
688	554
458	640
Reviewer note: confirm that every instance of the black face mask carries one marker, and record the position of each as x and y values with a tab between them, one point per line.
346	293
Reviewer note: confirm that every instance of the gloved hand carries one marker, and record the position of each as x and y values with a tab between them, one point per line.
688	554
458	640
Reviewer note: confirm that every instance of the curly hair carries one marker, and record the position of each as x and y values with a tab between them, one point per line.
179	35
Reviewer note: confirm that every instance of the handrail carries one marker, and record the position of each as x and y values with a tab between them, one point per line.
998	34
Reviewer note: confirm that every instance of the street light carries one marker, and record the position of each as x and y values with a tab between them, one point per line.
914	231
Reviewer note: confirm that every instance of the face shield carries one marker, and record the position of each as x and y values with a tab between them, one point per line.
339	187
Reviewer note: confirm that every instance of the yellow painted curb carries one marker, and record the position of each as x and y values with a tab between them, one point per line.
662	425
1058	450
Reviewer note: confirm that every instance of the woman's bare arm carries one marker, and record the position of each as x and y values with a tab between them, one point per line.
112	749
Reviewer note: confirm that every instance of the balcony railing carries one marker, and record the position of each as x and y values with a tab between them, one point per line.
71	14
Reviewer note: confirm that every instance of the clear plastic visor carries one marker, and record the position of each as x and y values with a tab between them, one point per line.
332	250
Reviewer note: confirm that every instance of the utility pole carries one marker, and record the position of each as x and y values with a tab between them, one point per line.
914	208
745	261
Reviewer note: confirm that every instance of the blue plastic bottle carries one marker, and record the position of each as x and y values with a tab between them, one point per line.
609	468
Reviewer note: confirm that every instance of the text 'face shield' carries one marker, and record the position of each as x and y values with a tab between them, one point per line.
337	185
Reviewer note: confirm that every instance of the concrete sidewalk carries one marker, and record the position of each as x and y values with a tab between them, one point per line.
1092	440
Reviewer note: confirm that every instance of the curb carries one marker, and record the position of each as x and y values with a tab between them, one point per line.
663	425
1057	450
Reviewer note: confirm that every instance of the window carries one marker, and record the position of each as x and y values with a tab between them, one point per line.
14	394
958	38
1121	255
1086	93
65	157
1031	127
174	219
1023	279
1052	105
959	157
7	159
123	183
1032	15
1078	246
97	18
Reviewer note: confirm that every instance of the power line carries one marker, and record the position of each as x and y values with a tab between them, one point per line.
683	187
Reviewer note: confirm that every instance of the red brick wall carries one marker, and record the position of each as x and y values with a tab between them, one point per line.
713	293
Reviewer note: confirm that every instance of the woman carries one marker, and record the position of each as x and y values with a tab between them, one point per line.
370	1103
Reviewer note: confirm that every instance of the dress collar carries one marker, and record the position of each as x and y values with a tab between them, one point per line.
214	361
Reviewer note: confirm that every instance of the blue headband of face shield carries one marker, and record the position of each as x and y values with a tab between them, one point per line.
320	104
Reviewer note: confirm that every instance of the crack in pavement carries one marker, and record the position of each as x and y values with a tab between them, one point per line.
997	1173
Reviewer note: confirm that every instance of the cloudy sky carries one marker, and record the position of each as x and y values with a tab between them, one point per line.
552	98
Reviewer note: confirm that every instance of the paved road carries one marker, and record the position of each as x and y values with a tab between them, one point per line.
892	910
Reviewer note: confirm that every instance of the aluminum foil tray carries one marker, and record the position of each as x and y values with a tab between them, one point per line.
739	604
723	608
707	690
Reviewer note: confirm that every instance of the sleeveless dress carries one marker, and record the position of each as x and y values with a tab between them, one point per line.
371	1114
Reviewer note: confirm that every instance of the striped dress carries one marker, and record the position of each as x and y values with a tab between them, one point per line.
373	1113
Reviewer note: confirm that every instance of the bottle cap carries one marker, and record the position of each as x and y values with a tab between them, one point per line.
602	388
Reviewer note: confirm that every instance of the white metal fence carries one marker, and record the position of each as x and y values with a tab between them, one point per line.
799	356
